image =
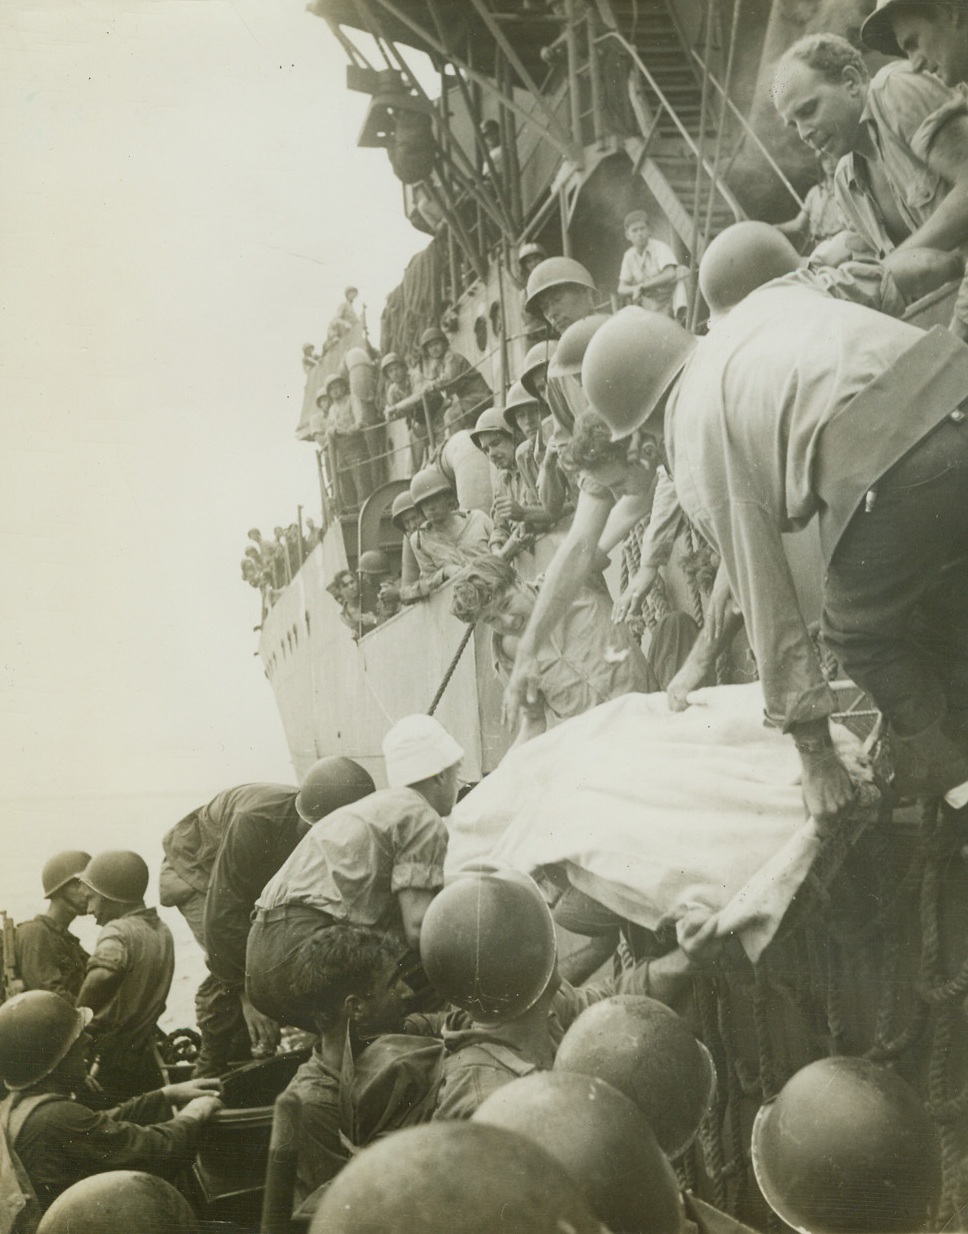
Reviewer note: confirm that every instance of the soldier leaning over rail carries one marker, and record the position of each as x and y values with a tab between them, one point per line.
376	863
902	177
830	409
449	537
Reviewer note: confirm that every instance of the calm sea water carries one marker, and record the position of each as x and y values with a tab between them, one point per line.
34	828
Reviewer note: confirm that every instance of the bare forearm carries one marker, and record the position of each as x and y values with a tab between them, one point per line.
583	963
533	724
796	229
536	518
947	228
665	278
551	490
98	988
624	515
563	581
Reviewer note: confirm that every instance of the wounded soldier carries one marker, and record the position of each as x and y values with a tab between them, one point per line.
587	659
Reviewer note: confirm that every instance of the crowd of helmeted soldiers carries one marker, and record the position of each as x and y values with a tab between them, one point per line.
556	1101
458	1072
270	565
623	421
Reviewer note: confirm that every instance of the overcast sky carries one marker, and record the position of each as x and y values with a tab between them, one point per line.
181	204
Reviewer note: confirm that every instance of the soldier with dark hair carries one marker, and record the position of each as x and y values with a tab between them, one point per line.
49	957
352	978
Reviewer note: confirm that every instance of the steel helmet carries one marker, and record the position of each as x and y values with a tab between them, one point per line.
117	875
120	1202
451	1176
539	356
390	358
531	249
740	259
517	399
427	483
431	333
374	561
37	1029
60	869
573	344
629	365
555	272
846	1146
401	504
647	1052
331	381
602	1139
490	421
488	944
330	784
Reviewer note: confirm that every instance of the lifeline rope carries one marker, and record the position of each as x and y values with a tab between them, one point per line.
736	1166
766	1081
451	669
710	1132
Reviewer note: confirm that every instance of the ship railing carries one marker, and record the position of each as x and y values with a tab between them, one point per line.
281	559
334	476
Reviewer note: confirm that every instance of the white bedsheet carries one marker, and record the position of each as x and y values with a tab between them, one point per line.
694	817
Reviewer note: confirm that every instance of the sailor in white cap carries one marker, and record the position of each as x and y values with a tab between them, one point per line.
376	863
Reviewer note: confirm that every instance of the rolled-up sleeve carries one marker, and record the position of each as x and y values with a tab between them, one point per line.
109	952
922	138
420	846
751	547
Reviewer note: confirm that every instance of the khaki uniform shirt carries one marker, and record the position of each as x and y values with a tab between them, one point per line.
637	267
480	1060
763	432
465	537
192	845
352	864
49	957
63	1141
903	113
138	945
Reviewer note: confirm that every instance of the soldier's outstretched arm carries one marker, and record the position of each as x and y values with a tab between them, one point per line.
722	622
98	988
563	580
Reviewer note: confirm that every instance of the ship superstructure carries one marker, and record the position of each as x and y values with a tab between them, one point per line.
507	122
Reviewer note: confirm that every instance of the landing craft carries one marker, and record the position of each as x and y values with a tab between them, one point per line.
520	124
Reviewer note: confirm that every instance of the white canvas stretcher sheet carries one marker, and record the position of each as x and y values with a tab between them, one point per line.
657	815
